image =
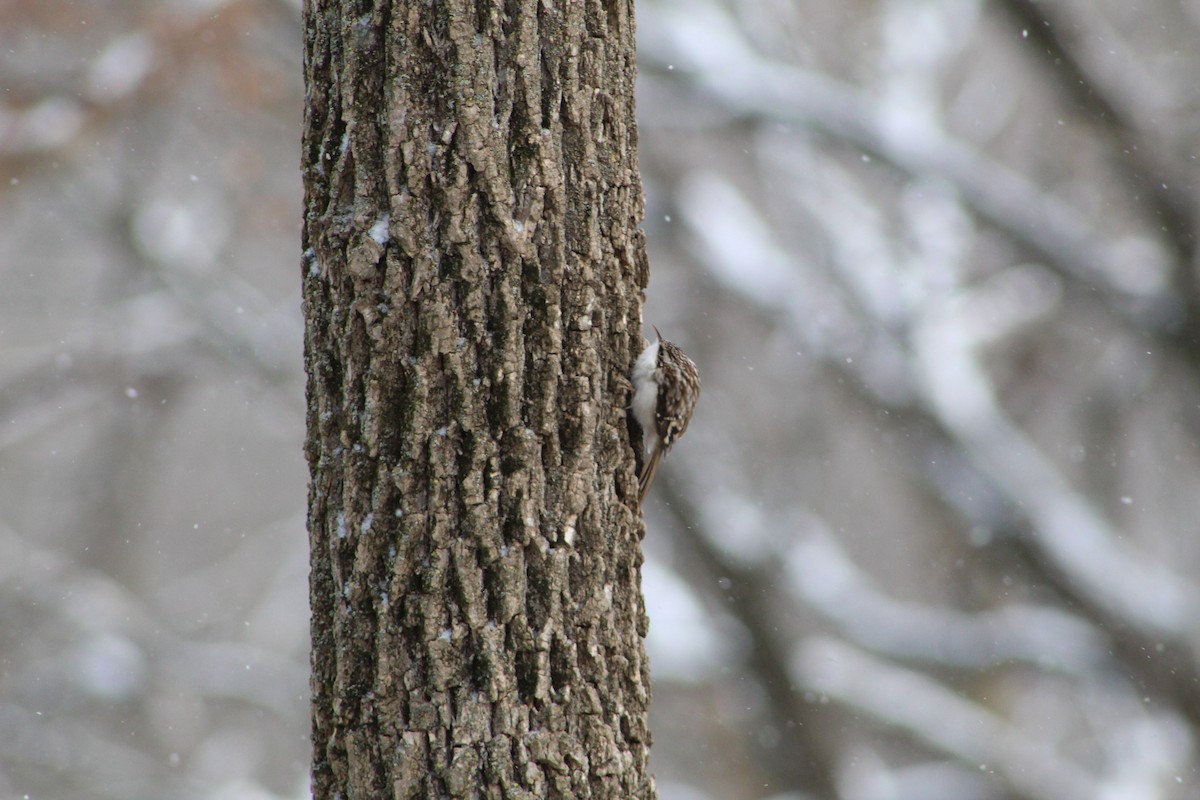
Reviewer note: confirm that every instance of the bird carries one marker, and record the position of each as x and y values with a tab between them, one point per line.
666	385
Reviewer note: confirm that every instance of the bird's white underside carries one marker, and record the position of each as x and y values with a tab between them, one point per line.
645	396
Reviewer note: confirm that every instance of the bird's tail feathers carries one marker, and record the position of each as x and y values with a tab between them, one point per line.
647	476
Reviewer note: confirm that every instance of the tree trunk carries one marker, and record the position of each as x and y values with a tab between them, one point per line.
472	278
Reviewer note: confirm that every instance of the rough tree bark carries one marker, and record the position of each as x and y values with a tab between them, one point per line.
473	273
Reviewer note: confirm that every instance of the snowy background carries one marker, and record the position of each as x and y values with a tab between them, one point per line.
934	533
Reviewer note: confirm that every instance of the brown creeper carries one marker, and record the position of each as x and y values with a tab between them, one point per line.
665	385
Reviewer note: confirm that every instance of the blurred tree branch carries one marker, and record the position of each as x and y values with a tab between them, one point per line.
1122	108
